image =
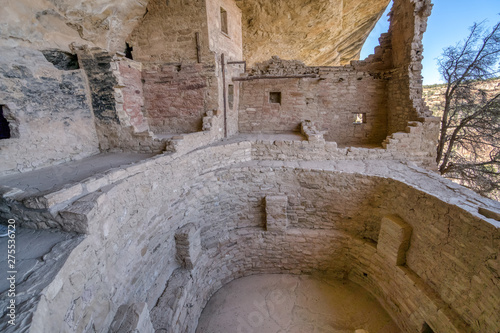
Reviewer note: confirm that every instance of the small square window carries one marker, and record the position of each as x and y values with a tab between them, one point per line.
223	21
359	118
275	97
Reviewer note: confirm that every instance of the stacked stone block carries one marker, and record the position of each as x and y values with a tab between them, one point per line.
276	213
394	240
188	245
334	211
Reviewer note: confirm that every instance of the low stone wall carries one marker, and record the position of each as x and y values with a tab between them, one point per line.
416	144
331	98
134	251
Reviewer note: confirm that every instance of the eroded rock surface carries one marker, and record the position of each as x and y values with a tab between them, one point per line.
318	32
58	23
326	32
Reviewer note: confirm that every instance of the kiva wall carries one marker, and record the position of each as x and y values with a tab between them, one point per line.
215	198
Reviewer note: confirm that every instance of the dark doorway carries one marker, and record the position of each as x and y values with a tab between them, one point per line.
128	51
4	126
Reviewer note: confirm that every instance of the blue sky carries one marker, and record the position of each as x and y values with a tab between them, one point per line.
448	24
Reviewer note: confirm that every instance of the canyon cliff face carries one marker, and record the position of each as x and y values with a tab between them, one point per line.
434	94
325	32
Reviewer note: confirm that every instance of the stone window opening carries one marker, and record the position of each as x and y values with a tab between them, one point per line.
359	118
223	21
275	97
128	51
230	96
4	125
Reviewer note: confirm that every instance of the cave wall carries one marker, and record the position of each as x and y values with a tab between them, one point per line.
50	116
57	24
167	32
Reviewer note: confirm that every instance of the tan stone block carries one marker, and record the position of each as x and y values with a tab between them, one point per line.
394	239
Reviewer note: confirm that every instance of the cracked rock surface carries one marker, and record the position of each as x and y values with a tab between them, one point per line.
39	256
283	303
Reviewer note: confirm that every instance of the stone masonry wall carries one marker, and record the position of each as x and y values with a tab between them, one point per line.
219	42
331	101
398	58
177	96
334	211
229	44
167	32
181	44
48	109
119	118
129	88
415	145
408	23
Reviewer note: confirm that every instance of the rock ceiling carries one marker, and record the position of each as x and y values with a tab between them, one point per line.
324	32
318	32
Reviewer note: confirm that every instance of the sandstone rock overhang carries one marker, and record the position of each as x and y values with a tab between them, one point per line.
325	32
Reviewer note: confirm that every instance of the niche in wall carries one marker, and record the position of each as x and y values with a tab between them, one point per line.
128	51
275	97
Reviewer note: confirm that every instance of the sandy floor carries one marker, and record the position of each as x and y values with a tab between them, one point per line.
293	304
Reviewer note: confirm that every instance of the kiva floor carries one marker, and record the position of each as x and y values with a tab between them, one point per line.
280	303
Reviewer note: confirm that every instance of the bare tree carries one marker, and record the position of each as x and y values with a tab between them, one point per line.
469	144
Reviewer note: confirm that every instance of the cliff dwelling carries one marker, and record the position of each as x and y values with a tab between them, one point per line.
218	166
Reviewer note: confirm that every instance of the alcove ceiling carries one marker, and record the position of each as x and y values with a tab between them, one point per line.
318	32
325	32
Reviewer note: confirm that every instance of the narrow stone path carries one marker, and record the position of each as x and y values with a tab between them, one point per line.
54	177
